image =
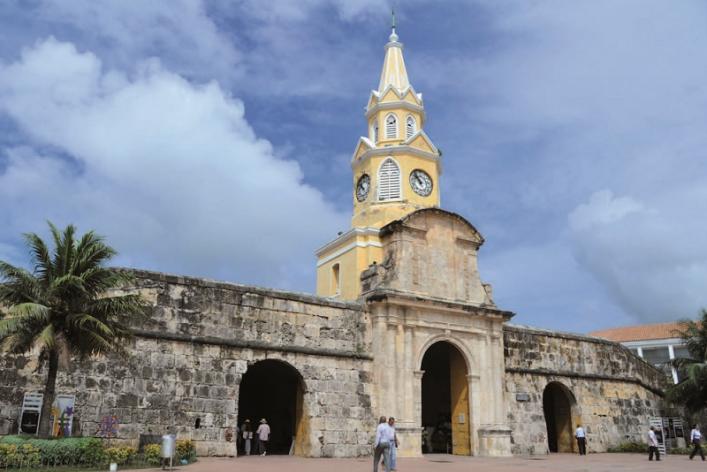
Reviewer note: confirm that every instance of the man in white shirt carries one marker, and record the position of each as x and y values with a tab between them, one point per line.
381	445
653	445
581	437
696	440
263	433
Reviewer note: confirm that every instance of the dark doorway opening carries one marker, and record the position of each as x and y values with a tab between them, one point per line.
557	407
445	401
273	390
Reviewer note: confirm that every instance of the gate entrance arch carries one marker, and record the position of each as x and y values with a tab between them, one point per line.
558	405
274	390
445	401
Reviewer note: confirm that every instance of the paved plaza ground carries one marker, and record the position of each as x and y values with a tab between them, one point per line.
446	463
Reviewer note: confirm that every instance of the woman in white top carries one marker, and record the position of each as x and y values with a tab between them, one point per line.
263	436
696	440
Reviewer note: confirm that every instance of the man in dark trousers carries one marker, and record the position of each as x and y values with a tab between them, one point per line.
581	437
696	440
653	445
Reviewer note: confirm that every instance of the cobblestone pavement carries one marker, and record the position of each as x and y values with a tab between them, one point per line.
446	463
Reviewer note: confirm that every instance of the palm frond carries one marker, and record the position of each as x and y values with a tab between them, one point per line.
66	286
86	322
23	315
93	343
43	266
17	285
91	252
46	339
98	280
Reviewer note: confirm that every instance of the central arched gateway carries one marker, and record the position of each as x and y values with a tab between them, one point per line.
274	390
558	403
445	401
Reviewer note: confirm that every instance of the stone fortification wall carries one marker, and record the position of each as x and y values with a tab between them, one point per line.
187	361
610	391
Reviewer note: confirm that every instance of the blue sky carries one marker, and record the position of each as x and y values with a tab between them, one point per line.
214	138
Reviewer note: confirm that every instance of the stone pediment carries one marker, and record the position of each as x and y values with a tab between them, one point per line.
431	253
422	220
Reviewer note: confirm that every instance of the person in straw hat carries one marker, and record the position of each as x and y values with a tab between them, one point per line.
263	436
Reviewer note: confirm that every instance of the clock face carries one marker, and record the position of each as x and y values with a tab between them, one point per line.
421	182
362	187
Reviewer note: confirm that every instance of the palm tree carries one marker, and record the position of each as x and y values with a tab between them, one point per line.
66	307
692	390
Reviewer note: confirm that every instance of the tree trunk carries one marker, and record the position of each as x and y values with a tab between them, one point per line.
49	394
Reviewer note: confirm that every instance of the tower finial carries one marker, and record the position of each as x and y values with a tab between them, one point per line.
393	36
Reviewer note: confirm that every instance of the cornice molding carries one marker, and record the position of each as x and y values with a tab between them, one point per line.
350	234
397	150
396	105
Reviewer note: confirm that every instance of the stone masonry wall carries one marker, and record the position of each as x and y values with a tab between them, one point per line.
187	360
614	391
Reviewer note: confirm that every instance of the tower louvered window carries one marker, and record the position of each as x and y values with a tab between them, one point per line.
374	134
389	181
410	126
391	127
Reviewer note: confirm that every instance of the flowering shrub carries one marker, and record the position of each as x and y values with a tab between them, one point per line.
120	455
153	454
186	450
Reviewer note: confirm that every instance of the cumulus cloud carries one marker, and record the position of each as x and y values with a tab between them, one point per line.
568	101
170	171
652	260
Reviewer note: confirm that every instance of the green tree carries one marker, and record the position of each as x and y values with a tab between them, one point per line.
66	307
691	392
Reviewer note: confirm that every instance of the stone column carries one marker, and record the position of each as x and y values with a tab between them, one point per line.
474	411
410	435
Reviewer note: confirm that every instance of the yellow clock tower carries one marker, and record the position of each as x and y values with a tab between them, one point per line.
396	171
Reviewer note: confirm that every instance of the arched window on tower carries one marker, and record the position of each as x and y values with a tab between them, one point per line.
374	132
391	127
389	181
410	126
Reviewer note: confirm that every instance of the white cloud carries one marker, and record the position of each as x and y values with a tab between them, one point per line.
570	99
180	32
170	171
651	259
602	209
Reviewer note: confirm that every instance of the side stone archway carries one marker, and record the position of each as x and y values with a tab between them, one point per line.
559	408
274	390
445	401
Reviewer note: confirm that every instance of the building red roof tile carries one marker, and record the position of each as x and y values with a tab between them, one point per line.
640	332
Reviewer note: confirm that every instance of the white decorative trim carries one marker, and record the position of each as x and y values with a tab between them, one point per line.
346	249
363	140
367	231
393	150
396	105
421	132
654	343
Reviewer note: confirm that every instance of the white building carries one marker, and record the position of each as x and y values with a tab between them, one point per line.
655	343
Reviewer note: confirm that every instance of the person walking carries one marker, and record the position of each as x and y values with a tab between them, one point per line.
381	445
263	436
393	445
247	434
653	445
696	440
581	437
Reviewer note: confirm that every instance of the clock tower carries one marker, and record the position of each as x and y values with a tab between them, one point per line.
396	170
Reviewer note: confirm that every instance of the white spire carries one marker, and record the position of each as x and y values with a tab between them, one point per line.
394	72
